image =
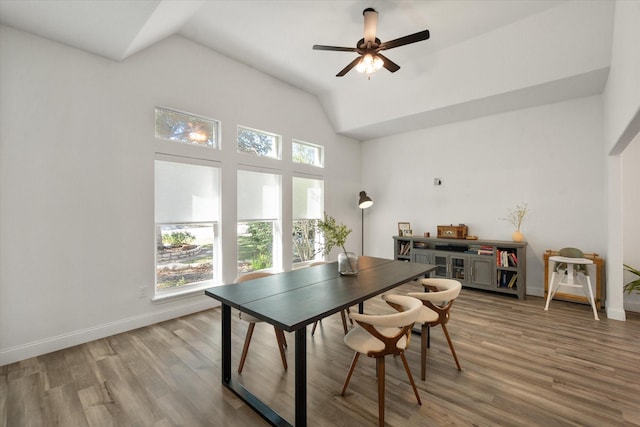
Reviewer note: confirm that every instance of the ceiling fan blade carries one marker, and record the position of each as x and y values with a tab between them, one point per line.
348	68
388	64
370	24
411	38
335	48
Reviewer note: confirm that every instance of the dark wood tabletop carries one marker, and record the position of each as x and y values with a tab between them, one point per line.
297	298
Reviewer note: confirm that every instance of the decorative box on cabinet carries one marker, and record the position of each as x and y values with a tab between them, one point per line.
493	265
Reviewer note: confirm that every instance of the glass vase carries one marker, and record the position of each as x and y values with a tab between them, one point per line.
348	263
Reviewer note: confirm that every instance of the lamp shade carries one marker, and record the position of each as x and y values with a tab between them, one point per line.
365	201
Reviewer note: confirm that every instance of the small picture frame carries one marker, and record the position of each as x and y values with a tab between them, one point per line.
404	229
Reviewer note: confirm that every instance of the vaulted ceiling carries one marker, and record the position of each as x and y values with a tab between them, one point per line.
483	57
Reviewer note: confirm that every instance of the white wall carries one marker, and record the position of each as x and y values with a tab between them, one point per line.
622	93
550	157
621	125
631	224
76	167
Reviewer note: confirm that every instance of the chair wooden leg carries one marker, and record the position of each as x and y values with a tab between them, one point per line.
413	384
446	334
380	373
349	312
245	348
353	366
423	352
281	345
343	315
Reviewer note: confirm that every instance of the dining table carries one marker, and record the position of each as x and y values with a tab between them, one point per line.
294	299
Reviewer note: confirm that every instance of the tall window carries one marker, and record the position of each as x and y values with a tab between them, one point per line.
308	154
259	233
259	143
187	206
308	201
187	128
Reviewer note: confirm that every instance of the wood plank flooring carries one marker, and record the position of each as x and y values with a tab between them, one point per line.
522	366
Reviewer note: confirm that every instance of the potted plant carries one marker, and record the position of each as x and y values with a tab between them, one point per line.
634	285
516	217
335	235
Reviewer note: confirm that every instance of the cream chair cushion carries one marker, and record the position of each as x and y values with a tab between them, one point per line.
362	341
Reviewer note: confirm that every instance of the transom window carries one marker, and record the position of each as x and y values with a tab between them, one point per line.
258	143
187	128
308	154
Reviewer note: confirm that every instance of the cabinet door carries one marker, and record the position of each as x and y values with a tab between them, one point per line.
420	256
458	267
482	269
441	261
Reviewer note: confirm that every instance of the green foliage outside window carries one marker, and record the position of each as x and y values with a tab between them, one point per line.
258	143
305	153
256	245
178	238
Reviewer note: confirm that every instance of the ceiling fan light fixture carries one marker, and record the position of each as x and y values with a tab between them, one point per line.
377	62
369	64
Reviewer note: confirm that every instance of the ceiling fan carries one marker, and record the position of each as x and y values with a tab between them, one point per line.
368	48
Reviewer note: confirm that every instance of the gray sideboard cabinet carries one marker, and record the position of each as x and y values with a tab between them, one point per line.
493	265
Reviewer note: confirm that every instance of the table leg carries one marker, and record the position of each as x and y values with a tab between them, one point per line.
226	344
301	377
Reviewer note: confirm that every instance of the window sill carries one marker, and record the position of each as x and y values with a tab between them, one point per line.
168	296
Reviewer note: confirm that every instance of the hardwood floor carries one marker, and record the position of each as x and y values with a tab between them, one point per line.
521	366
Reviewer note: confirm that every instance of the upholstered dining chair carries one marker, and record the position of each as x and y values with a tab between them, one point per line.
380	335
343	313
282	343
437	302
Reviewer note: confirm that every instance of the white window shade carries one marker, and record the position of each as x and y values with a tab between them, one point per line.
258	196
308	195
186	192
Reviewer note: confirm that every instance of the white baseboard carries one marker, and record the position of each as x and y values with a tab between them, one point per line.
616	314
81	336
